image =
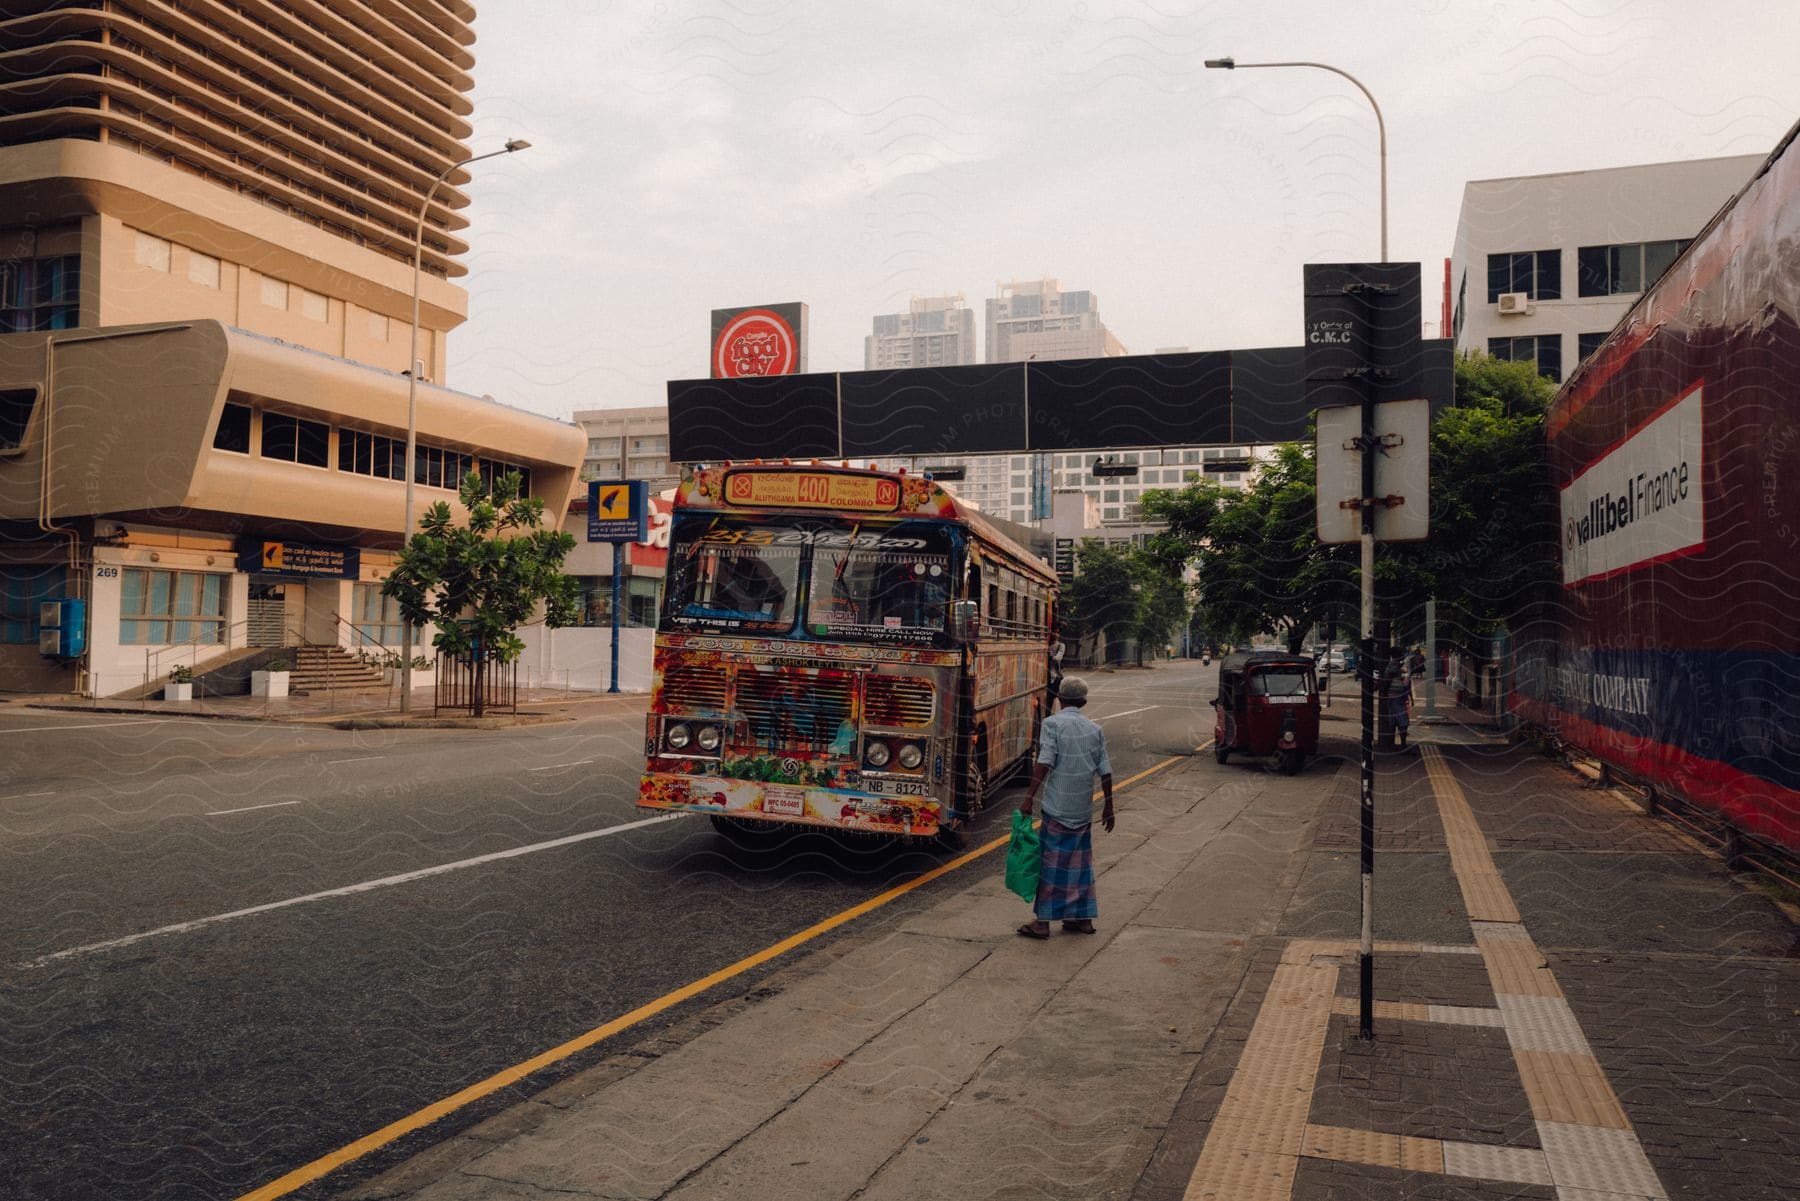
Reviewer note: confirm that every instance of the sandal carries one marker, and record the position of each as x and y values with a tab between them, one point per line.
1086	927
1031	931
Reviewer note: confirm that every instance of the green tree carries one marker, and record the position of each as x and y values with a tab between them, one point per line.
1261	567
1123	593
479	580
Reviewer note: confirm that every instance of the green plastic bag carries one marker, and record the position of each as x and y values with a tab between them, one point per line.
1024	858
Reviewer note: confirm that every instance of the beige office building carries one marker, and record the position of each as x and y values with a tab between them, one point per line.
207	225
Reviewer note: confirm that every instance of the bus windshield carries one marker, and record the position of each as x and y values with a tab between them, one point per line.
890	582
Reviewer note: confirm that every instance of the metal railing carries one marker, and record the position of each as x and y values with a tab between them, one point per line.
156	656
456	686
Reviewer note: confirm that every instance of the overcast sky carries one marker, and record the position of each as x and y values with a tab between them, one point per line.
692	156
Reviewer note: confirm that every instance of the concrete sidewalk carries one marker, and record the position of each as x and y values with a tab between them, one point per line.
350	708
1572	1001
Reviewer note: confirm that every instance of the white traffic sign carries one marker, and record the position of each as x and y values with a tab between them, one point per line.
1402	472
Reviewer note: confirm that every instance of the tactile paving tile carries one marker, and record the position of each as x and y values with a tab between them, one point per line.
1398	1011
1497	931
1421	1154
1542	1024
1569	1089
1607	1161
1224	1175
1445	948
1483	1161
1485	895
1519	968
1465	1015
1352	1146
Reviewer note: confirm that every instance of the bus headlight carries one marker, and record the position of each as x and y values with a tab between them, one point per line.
707	739
876	754
678	736
911	755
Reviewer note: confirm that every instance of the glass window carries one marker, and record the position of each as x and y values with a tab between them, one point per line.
734	575
1587	344
1658	256
152	252
274	293
23	587
1537	273
295	440
203	269
158	608
40	294
16	405
378	621
233	433
313	306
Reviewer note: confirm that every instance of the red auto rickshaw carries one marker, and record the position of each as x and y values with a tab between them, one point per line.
1268	704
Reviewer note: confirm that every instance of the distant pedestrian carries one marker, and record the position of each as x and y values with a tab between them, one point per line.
1396	695
1072	752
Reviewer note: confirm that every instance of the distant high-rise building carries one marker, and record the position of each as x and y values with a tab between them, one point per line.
1036	319
935	331
642	434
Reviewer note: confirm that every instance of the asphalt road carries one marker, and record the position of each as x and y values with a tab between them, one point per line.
233	948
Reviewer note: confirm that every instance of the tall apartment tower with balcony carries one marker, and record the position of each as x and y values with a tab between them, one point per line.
1545	265
207	232
935	331
1036	319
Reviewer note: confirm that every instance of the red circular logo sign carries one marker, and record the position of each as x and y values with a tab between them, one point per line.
887	492
755	342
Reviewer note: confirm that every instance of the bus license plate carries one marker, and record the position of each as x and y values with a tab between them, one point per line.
789	802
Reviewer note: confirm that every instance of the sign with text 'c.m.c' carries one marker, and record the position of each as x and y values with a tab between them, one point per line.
618	511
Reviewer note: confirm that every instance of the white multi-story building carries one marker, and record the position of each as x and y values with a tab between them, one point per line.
1545	265
935	331
645	445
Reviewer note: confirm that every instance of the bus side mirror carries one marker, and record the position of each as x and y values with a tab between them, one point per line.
965	620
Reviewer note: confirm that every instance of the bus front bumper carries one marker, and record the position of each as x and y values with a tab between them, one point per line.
799	804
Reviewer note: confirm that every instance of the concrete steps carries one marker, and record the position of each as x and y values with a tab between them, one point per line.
330	668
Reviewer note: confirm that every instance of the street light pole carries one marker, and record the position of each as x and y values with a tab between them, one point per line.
1370	674
412	391
1231	64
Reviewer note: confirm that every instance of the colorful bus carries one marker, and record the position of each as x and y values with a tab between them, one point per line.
1674	653
842	647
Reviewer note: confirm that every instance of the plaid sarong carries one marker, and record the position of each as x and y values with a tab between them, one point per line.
1066	883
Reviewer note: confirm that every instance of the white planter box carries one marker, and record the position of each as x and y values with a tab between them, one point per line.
268	683
422	677
178	692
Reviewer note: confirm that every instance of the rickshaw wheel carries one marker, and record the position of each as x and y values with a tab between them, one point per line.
1291	761
1221	752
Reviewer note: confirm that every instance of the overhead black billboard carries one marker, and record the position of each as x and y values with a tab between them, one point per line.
1131	400
934	410
773	417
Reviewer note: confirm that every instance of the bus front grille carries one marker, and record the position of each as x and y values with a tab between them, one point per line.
689	688
897	701
794	711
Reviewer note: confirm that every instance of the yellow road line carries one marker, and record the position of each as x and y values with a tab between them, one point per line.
419	1119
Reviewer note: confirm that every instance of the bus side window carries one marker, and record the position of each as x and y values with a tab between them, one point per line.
1012	609
991	615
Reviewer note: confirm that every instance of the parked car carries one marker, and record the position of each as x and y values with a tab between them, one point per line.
1332	661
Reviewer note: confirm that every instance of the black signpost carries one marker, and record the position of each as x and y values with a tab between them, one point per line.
1366	376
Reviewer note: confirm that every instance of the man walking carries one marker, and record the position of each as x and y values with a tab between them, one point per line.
1071	753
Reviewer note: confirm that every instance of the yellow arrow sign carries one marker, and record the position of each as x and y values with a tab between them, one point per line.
615	504
272	554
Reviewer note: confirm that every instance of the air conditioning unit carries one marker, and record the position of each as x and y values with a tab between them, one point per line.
1516	303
